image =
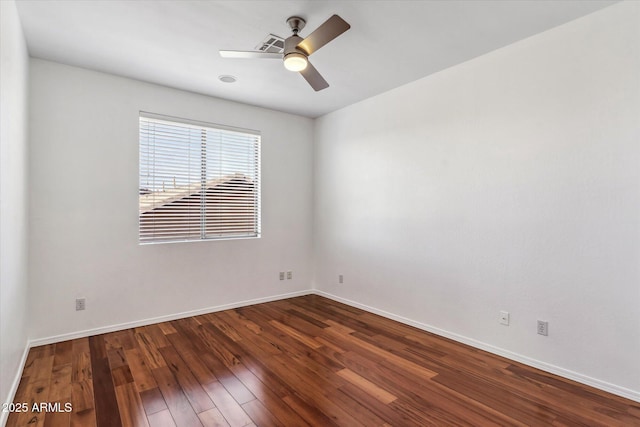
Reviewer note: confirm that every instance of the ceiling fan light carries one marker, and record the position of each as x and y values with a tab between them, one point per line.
295	61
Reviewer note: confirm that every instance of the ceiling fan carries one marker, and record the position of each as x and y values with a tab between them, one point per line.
297	50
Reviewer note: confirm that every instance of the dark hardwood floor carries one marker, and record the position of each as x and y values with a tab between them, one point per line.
297	362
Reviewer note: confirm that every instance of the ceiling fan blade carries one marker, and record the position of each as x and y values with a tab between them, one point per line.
329	30
313	77
249	54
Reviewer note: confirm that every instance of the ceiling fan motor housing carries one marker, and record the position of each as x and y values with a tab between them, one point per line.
296	23
290	46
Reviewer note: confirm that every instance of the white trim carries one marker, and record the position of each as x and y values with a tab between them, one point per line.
4	416
565	373
197	123
152	320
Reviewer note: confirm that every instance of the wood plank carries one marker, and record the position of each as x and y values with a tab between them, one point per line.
82	395
190	357
356	409
126	339
216	320
131	410
212	338
60	386
311	413
202	341
179	407
269	398
140	371
213	418
40	352
152	401
57	419
257	341
278	313
83	418
106	404
161	419
235	317
293	333
166	328
416	416
111	342
35	392
316	361
425	393
28	363
149	351
198	398
492	395
116	358
63	352
313	389
230	409
330	345
378	392
81	361
260	369
260	415
157	335
121	375
384	412
308	317
41	370
417	370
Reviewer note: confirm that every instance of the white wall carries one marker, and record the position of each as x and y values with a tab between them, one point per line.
84	214
13	197
509	182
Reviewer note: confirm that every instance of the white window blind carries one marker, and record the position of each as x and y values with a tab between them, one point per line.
197	181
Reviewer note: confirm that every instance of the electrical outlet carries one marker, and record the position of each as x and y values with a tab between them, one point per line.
282	275
289	275
504	318
81	304
340	279
543	328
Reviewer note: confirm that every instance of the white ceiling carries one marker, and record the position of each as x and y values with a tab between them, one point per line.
176	43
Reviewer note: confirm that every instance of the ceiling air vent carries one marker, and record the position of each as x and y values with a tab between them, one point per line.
271	44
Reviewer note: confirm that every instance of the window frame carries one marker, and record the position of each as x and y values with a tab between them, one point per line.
255	180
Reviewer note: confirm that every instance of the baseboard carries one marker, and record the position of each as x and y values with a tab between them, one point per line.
14	386
556	370
151	321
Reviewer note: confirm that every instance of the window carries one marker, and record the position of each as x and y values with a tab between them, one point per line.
198	181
